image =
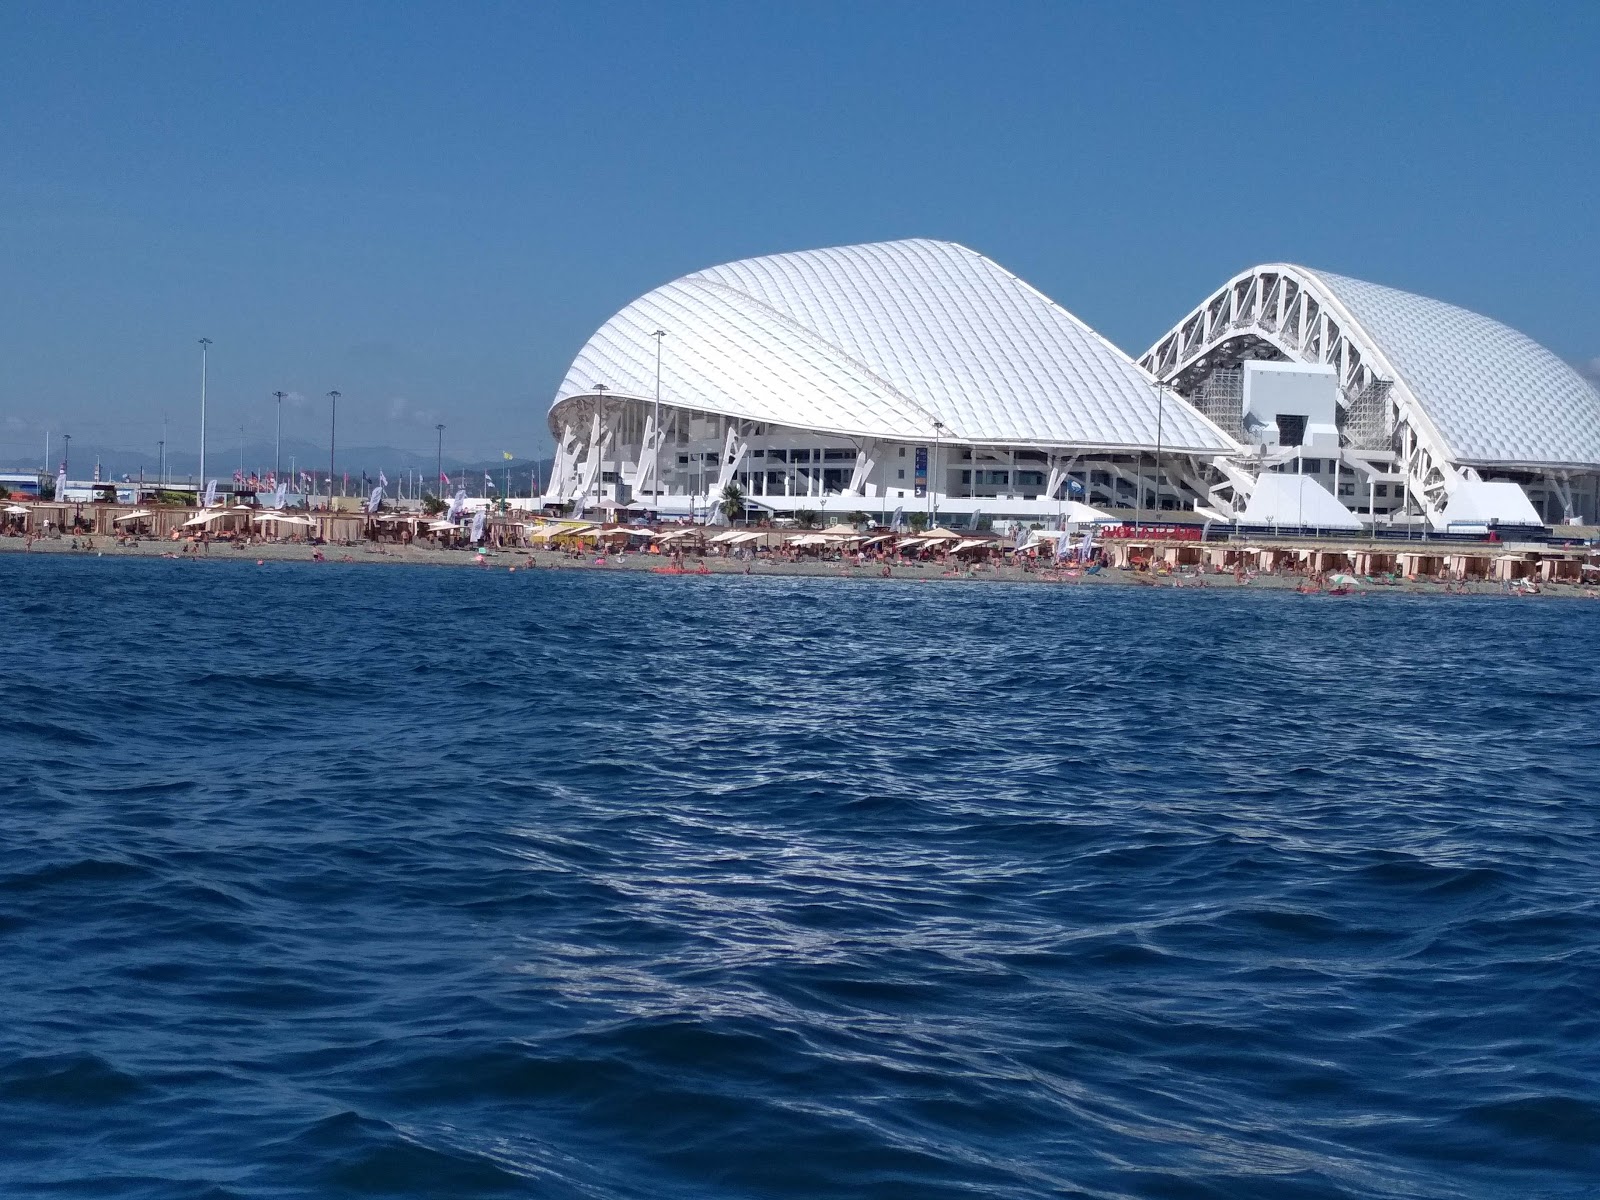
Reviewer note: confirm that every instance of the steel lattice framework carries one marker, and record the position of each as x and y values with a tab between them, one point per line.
1279	312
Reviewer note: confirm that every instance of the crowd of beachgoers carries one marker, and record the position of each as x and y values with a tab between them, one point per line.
697	551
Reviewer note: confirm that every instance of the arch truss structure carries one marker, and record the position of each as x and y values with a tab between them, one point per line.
1430	395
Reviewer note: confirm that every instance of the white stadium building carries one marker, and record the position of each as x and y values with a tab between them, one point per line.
919	376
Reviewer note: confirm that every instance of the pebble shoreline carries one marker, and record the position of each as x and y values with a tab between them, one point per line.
516	559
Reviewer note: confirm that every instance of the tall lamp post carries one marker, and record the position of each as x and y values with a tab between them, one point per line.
1162	386
277	443
333	424
204	343
438	463
66	456
655	470
163	445
600	390
933	476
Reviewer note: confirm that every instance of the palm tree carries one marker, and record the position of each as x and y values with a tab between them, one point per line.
805	518
732	502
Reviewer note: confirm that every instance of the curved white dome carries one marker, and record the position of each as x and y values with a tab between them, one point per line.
883	340
1496	395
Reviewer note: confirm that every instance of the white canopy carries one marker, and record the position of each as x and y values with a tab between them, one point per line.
1482	503
1296	500
16	510
137	514
209	516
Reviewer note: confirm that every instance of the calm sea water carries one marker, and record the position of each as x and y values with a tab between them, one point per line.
328	881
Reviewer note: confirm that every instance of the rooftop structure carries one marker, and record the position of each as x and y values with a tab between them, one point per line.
920	370
1430	395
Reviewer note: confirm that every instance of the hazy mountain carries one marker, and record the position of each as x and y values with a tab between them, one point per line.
222	460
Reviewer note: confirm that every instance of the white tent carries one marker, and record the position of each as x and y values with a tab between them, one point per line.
1296	500
1481	503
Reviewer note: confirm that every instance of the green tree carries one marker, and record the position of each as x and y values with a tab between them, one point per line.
732	502
431	504
919	521
806	519
858	519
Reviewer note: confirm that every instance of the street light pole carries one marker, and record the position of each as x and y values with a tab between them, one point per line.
655	470
1161	392
333	424
163	444
66	454
600	390
204	343
277	443
933	476
438	475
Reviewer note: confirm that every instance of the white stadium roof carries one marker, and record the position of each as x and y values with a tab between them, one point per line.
1495	395
1478	393
882	340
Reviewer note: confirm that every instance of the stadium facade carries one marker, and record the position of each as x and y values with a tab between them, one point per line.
920	376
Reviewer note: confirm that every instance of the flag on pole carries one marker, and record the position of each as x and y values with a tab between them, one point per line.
210	496
487	483
458	505
61	484
383	480
278	496
506	454
898	521
375	501
477	525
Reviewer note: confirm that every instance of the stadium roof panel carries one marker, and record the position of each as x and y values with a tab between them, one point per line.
884	340
1496	395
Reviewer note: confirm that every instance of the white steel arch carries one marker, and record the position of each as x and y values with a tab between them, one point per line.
1281	311
1447	392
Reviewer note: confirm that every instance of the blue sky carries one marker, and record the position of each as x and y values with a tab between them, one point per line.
430	206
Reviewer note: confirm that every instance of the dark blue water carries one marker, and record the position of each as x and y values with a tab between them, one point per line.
353	881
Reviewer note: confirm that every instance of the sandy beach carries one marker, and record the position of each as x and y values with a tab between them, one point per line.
514	560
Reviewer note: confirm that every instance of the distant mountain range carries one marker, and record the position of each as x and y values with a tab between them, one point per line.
223	460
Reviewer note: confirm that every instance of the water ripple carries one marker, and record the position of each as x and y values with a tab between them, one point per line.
385	881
